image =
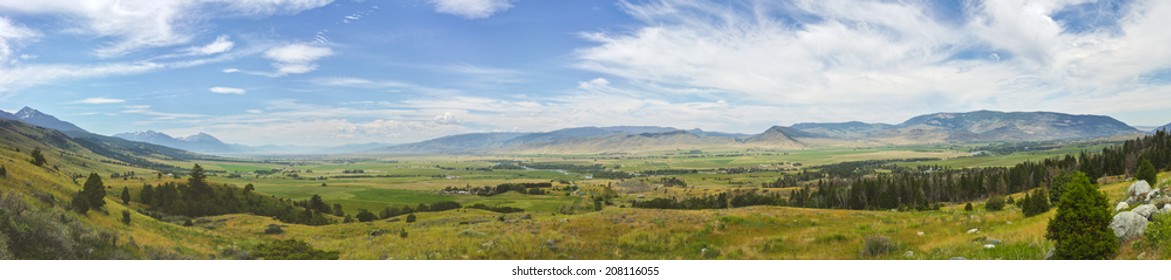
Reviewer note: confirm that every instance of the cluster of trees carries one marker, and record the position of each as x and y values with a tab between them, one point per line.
38	157
91	196
1034	203
422	207
718	201
923	187
197	198
355	171
497	209
673	182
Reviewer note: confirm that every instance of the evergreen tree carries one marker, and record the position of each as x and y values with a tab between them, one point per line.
249	188
125	195
3	171
337	210
968	207
79	204
1081	228
365	215
1146	171
126	217
38	157
94	192
410	218
147	194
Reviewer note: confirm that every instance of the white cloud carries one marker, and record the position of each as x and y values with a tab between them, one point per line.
100	100
136	25
231	70
471	9
228	90
593	84
12	34
296	58
221	44
446	118
886	61
254	111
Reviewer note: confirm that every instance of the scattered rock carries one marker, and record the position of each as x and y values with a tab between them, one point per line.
989	246
1128	225
1121	206
1049	254
527	216
552	245
920	233
1145	210
973	231
1166	208
993	241
909	254
377	232
1153	194
1137	191
958	258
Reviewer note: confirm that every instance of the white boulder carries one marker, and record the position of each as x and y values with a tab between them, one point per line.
1121	206
1128	225
989	246
1137	191
973	231
1145	210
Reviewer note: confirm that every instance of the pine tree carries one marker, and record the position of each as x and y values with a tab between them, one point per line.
1146	171
79	204
146	196
125	195
126	217
3	171
1081	228
38	157
94	191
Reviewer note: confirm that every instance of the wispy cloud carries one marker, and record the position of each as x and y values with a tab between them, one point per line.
471	9
220	45
228	90
824	60
99	100
136	25
12	34
390	85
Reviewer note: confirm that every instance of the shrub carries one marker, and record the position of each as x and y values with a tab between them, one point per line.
994	203
876	246
38	157
411	218
968	207
273	229
126	217
1158	232
1081	228
1035	204
292	249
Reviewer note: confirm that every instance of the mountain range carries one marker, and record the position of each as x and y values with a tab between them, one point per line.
977	126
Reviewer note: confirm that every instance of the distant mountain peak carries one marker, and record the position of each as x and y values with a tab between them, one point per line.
32	116
28	112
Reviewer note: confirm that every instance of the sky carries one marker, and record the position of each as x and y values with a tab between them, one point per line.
322	72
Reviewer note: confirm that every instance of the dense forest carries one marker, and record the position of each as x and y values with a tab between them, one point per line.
924	187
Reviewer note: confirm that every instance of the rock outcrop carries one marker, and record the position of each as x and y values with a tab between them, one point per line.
1128	225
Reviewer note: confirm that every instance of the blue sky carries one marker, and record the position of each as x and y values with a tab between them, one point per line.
321	72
